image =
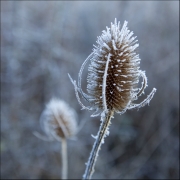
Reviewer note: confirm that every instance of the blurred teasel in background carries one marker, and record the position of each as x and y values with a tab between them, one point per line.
112	82
58	121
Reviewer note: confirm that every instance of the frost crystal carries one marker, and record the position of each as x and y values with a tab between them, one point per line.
114	63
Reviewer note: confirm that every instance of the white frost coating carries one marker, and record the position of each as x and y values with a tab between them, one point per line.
118	88
113	38
124	82
105	45
95	137
102	133
144	102
123	60
96	113
77	95
122	32
124	47
79	79
104	84
135	46
102	62
144	83
114	45
101	71
132	39
95	46
121	54
129	35
123	75
99	55
126	54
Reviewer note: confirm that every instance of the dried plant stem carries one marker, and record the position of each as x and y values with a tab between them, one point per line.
64	158
102	133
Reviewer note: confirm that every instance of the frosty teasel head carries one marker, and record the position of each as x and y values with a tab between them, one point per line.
58	120
113	73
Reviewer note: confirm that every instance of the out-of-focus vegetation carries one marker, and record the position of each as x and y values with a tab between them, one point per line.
42	41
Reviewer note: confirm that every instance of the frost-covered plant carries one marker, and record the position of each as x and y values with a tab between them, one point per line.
112	82
58	121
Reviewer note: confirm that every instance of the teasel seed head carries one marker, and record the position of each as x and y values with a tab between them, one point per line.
58	120
113	73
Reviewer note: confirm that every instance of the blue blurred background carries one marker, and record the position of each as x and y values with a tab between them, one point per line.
43	41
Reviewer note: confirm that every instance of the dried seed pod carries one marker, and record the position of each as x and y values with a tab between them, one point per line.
58	120
113	73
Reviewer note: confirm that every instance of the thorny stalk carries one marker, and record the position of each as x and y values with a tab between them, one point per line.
112	82
102	133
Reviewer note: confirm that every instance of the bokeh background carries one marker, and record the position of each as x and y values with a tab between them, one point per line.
43	41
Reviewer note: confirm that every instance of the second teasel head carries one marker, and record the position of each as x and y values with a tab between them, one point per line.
58	120
113	73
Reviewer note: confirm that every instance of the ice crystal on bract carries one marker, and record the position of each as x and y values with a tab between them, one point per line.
113	73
